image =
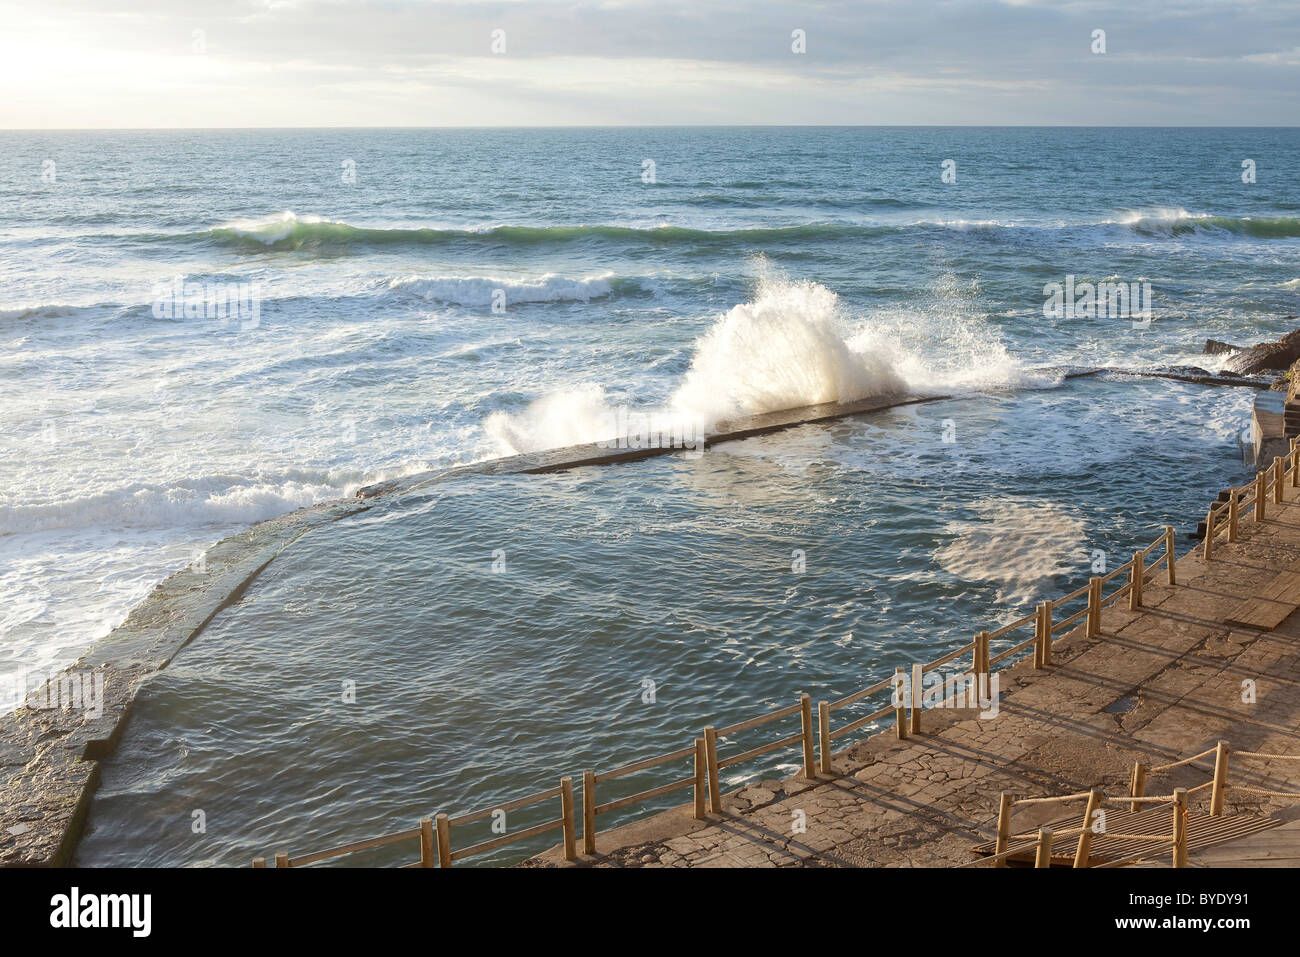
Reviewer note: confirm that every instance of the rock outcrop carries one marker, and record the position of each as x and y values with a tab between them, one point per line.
1213	347
1266	356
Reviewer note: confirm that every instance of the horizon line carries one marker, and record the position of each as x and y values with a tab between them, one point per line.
660	126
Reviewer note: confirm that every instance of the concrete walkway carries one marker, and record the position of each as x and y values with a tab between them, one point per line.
1157	685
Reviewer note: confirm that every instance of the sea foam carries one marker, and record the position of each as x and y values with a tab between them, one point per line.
791	345
483	291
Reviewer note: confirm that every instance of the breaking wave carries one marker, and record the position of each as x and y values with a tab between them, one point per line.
790	346
1179	222
289	231
483	290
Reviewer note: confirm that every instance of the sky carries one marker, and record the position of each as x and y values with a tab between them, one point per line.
75	64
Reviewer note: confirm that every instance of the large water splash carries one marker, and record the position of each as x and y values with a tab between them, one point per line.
791	345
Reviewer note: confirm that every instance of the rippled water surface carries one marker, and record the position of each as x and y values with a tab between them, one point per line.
473	293
475	686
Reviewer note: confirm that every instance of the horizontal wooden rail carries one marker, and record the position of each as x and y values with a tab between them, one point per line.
699	780
1015	649
1065	623
862	722
504	839
353	847
963	650
1011	626
776	715
1077	593
1115	572
644	765
788	742
864	693
511	805
446	855
1118	594
1052	799
646	795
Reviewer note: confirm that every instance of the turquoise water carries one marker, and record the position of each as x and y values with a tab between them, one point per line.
760	269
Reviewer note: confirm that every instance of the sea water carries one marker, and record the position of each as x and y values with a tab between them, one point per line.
205	329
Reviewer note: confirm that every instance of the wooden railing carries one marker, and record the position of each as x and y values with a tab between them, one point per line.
1045	837
1252	498
816	744
441	825
1179	799
1218	783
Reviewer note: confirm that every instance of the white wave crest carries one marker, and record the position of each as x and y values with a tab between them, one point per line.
215	500
270	229
790	346
786	349
482	290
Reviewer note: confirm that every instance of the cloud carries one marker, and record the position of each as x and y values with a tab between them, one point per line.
405	62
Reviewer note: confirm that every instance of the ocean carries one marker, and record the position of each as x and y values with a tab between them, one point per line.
204	329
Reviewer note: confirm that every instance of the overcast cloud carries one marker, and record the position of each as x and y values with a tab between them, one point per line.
144	63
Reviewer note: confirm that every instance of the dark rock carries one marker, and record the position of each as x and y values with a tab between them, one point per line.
1267	356
1213	347
1196	371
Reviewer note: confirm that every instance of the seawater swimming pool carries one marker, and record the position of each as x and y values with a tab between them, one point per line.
474	685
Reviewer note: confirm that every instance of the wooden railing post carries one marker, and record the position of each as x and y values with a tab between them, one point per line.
1136	576
443	825
1005	803
701	781
900	702
711	755
1043	853
1261	495
1049	608
282	859
426	842
1170	558
1038	637
1220	779
1180	827
809	747
589	809
1137	786
566	814
824	733
1082	852
1209	534
259	862
1094	606
983	667
1295	464
1234	508
918	673
1277	479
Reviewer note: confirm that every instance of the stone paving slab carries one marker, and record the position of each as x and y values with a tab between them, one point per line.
1157	685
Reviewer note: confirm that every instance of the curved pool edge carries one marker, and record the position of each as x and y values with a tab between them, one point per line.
50	751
